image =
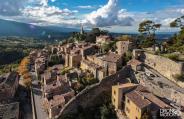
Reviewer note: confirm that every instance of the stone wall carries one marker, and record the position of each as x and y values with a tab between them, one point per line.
165	66
164	92
87	97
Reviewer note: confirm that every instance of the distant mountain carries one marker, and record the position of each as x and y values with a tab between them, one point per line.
160	36
13	28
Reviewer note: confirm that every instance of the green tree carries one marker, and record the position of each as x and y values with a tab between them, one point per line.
76	36
148	28
91	36
177	41
178	23
96	31
107	111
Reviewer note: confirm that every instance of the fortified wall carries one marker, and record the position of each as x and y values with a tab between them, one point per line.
88	96
164	92
165	66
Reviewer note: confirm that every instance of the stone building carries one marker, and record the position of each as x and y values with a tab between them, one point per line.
41	62
40	65
9	111
138	54
73	60
113	62
123	47
55	87
103	39
77	52
102	65
98	71
56	103
9	85
165	66
135	100
56	92
136	65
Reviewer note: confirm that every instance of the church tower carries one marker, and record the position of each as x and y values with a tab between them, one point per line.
82	29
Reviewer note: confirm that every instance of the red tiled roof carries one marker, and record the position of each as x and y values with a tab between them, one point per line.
134	62
111	57
139	100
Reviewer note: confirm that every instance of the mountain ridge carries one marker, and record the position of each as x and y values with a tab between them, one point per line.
13	28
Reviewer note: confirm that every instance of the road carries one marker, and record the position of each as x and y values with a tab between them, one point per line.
40	112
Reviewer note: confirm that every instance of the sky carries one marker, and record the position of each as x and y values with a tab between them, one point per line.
113	15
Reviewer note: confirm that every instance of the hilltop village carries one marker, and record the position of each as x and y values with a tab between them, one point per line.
78	74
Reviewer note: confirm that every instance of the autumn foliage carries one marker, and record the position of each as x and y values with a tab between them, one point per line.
23	70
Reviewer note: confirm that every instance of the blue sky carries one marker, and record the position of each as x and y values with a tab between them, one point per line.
113	15
130	5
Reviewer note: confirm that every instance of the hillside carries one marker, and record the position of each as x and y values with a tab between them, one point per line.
12	28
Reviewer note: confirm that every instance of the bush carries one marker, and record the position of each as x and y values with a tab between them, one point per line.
127	57
147	43
174	57
65	70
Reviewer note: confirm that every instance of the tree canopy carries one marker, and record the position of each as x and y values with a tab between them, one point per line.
176	43
179	22
147	29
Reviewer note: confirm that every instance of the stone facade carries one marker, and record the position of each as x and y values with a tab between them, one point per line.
88	96
165	92
98	71
56	91
73	60
123	47
134	100
166	67
103	39
136	65
10	111
111	62
8	86
74	53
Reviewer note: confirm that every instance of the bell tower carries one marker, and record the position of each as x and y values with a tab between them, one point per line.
82	29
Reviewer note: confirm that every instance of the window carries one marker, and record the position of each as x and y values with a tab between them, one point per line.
128	100
114	92
114	100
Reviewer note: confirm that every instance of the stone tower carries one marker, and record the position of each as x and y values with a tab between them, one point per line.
82	29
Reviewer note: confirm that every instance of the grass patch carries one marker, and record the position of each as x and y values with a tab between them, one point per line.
174	57
65	70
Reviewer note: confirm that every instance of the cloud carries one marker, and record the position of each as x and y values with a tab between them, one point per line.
108	15
164	16
46	11
86	7
40	12
11	7
44	2
47	15
53	0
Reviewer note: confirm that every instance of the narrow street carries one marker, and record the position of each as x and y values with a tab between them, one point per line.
40	112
